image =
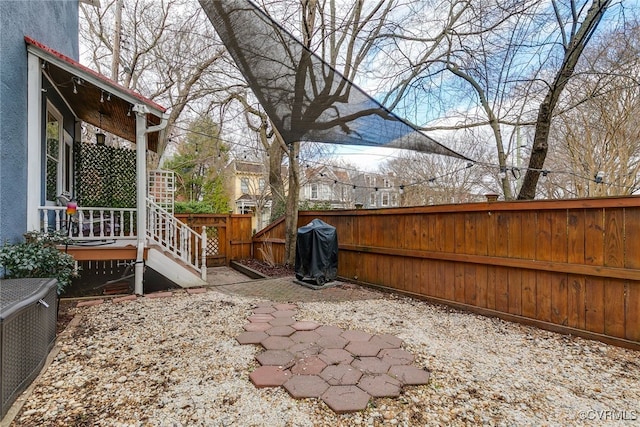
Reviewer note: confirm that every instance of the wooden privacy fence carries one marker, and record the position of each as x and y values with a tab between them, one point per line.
571	266
228	236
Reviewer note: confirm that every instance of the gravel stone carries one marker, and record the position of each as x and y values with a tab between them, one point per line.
184	367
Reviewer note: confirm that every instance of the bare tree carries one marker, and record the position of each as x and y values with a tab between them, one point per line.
166	51
498	65
433	180
597	150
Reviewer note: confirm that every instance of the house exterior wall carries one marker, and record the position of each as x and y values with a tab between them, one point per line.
54	23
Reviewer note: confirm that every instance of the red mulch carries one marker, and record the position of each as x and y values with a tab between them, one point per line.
267	270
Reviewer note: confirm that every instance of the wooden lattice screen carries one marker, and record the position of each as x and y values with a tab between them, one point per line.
105	176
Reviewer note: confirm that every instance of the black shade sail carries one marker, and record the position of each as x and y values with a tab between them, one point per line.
305	98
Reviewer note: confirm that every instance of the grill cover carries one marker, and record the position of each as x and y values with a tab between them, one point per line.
317	252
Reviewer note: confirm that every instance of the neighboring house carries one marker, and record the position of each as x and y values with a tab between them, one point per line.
249	190
326	187
376	191
45	96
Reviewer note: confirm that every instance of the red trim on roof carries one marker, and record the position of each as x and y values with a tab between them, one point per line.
95	74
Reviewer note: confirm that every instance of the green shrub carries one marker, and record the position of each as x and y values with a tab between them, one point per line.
199	208
38	257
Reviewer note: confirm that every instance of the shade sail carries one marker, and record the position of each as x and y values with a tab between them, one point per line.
305	98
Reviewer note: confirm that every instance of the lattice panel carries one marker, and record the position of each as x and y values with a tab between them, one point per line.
105	176
213	242
161	188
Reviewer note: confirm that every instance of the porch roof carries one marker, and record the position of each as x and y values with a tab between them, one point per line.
93	97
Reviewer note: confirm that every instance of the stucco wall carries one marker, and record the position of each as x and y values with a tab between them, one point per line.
54	23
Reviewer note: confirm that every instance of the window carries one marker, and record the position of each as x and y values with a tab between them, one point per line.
372	199
314	191
261	184
385	199
394	199
244	185
59	156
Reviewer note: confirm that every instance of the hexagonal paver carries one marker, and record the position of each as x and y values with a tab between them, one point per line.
269	376
351	335
396	356
285	306
363	348
331	341
263	304
335	356
301	386
280	358
345	398
386	341
257	327
280	331
276	343
251	337
341	375
260	318
263	310
282	321
305	325
312	365
409	375
380	385
283	313
305	336
327	330
305	349
371	365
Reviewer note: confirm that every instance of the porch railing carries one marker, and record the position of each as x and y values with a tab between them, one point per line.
177	237
90	223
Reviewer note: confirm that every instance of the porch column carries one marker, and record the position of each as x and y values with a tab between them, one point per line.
141	194
34	142
141	187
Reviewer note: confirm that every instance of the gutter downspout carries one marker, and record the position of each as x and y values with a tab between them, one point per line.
141	187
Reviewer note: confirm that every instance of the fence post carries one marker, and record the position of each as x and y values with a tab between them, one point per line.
203	254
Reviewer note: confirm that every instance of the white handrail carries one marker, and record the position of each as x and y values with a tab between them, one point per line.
177	237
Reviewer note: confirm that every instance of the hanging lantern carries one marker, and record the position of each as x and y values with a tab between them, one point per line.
100	136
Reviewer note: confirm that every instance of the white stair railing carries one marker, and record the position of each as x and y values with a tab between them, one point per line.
176	237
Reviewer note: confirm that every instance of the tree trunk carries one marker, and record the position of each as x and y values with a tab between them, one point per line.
573	49
276	183
291	217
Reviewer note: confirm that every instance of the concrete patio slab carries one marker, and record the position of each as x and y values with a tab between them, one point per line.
251	337
282	358
346	398
409	375
276	343
343	374
269	376
380	385
303	386
312	365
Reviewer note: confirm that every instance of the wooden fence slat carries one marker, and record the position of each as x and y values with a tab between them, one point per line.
482	248
614	312
576	254
632	312
632	238
501	284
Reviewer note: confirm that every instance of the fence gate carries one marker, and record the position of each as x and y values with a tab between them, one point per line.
216	250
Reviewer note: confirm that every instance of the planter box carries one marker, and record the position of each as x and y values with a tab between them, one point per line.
28	314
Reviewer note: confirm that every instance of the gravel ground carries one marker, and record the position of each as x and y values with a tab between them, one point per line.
175	362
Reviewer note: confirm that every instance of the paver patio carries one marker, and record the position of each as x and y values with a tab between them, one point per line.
345	369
